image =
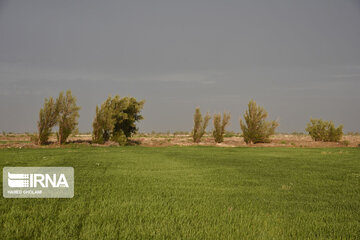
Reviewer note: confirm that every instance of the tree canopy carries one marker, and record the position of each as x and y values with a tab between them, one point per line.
116	119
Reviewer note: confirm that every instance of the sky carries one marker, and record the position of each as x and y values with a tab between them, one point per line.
298	59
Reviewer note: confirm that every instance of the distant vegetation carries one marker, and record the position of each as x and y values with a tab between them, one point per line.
116	119
200	125
63	112
48	117
255	127
219	126
68	113
325	131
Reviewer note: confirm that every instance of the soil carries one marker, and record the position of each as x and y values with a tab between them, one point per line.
279	140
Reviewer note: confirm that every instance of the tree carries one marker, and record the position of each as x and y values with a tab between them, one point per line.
48	117
103	123
68	115
200	125
325	131
219	127
116	119
255	128
98	131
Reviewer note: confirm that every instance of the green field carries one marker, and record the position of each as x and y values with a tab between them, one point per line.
191	193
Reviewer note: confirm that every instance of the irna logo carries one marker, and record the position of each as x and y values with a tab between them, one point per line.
38	182
16	180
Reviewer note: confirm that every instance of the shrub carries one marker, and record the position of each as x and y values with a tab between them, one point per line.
34	139
200	125
219	126
48	117
68	114
325	131
115	119
119	137
255	129
346	143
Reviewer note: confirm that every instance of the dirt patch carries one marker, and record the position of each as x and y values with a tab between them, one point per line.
279	140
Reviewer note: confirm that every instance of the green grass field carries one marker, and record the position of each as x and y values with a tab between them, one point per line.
191	193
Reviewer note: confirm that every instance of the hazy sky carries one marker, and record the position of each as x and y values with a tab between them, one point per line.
298	59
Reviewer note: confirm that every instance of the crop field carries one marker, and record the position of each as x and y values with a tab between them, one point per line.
194	192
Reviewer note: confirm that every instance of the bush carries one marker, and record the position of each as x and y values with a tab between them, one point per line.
119	137
48	117
115	119
255	129
34	139
346	143
200	125
219	126
325	131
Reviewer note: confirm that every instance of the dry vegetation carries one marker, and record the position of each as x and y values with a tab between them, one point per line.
156	140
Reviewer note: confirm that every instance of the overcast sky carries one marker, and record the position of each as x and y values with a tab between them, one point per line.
298	59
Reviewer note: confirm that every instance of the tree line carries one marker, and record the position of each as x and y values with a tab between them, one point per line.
63	112
256	129
116	118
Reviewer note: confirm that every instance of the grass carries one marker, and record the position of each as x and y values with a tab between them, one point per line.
191	193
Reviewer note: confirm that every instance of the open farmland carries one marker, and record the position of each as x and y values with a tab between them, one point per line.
191	192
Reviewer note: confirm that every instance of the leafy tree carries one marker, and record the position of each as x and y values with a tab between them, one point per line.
116	119
325	131
255	128
68	115
126	113
200	125
219	126
48	117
